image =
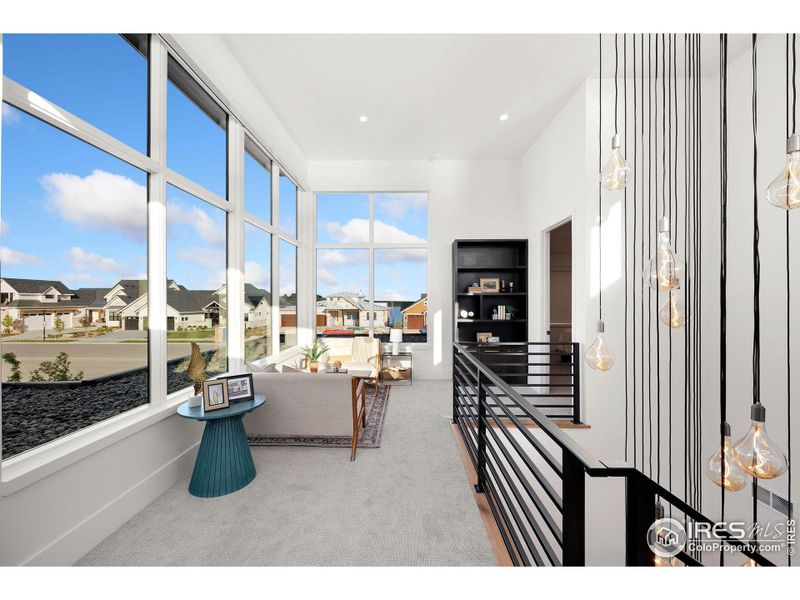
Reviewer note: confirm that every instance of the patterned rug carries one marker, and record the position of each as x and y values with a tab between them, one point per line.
368	437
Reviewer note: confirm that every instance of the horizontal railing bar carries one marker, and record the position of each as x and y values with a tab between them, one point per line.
561	439
513	511
512	543
530	519
548	518
543	452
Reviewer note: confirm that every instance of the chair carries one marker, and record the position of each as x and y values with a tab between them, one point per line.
366	356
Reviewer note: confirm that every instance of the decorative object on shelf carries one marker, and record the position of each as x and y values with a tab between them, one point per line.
490	285
196	371
464	313
665	270
474	289
756	453
337	366
395	337
495	314
483	337
784	191
598	356
673	311
240	387
722	468
511	286
495	339
215	394
313	353
616	172
471	314
195	401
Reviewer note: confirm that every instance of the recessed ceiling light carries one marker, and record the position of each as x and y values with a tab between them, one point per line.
504	117
363	118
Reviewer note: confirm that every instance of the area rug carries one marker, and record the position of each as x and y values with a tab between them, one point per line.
368	437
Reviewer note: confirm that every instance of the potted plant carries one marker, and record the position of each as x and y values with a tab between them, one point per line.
313	353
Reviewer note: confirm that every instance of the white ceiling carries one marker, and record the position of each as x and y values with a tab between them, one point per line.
426	96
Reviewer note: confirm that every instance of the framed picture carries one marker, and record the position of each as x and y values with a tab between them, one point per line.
215	394
483	337
240	387
490	285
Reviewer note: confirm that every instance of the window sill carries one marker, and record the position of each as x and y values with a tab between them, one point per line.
23	470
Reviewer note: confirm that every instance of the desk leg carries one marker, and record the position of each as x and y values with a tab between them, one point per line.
354	388
224	463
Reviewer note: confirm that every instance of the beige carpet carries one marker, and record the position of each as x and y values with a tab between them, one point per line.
405	503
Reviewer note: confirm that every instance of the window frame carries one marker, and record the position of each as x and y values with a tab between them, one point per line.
371	246
28	467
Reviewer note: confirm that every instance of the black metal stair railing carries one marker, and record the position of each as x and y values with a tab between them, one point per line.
533	474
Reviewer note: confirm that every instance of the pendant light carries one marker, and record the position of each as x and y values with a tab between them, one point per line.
616	172
598	356
673	311
756	453
665	270
784	191
723	469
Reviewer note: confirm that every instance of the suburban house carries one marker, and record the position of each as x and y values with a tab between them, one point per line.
38	303
415	317
348	310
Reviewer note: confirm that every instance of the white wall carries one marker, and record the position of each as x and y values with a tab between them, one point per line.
467	199
60	517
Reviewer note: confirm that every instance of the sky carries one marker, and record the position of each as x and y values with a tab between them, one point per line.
91	206
400	274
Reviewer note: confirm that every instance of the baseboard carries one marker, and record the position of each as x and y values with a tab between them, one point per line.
75	543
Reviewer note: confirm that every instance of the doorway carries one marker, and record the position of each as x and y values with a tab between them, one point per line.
558	284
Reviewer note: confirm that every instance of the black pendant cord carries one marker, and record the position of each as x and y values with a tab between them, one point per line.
599	185
699	261
633	249
649	248
625	198
756	261
616	84
687	350
789	280
723	264
672	169
663	209
641	229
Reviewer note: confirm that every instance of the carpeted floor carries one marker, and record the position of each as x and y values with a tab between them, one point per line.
405	503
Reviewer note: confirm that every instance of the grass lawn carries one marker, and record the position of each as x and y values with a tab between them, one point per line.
54	341
190	335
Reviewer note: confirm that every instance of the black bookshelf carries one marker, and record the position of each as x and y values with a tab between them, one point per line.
506	260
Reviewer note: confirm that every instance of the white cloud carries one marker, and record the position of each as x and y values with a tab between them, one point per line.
204	225
326	277
12	257
390	295
397	205
83	260
3	227
356	231
256	274
101	200
210	257
334	258
10	115
399	255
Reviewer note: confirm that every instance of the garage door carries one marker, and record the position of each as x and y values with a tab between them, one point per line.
416	321
131	323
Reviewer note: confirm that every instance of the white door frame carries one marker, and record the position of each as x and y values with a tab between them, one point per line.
545	287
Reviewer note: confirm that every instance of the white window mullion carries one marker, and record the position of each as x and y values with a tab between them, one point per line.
157	224
235	285
371	265
275	267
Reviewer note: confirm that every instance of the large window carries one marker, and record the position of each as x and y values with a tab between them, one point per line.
196	286
288	291
196	132
392	246
257	293
74	242
95	207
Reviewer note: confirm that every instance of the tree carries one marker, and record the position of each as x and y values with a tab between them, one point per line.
8	323
59	325
85	321
14	363
56	370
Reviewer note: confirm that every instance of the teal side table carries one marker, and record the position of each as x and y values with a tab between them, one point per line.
224	463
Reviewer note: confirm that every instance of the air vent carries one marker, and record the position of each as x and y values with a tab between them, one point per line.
774	500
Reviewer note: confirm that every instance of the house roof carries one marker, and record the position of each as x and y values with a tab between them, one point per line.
92	297
410	306
337	302
254	295
36	286
185	301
